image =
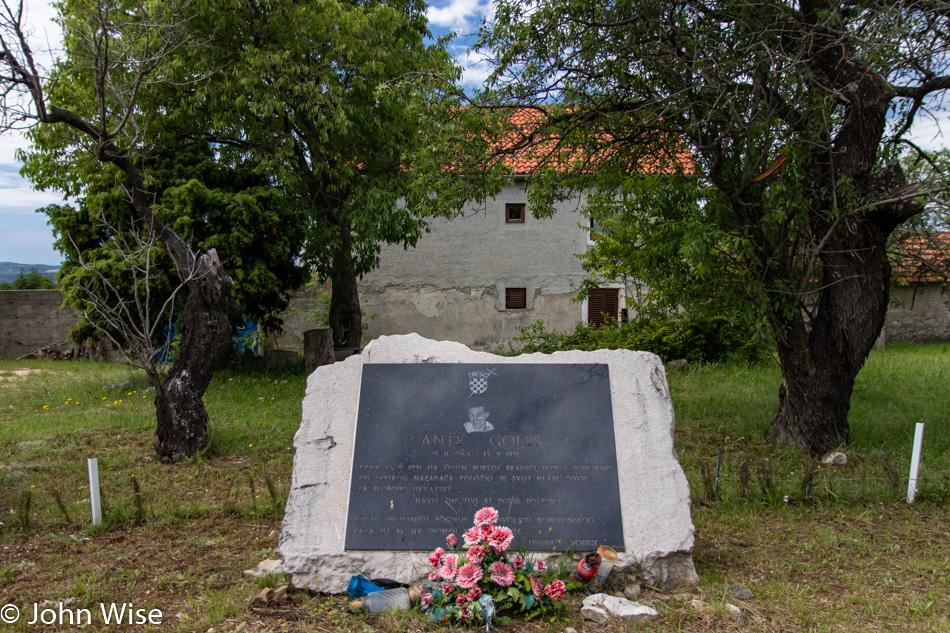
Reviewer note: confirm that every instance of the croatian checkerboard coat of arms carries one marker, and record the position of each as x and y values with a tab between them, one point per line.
478	381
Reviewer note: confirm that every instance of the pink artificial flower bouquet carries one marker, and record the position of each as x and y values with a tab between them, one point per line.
459	579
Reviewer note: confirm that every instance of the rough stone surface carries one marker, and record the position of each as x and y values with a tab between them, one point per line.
595	613
658	528
33	319
835	459
631	592
734	611
923	313
298	318
740	592
265	568
699	606
596	606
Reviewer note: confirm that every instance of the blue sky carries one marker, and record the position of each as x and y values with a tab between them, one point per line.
24	234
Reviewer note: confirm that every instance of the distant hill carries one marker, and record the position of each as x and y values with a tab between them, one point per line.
10	270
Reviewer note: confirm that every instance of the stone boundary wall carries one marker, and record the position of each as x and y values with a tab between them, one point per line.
922	316
298	318
33	320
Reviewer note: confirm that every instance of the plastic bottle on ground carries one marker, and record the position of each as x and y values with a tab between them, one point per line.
381	601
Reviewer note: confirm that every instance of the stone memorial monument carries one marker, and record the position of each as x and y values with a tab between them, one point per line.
400	445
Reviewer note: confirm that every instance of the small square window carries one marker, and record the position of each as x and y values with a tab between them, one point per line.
593	230
514	213
516	298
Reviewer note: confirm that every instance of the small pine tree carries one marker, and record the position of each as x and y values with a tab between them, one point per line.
33	280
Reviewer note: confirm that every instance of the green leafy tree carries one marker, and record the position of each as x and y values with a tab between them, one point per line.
792	115
310	84
232	210
102	102
33	280
669	274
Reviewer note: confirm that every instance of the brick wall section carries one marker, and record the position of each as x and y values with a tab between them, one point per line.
33	319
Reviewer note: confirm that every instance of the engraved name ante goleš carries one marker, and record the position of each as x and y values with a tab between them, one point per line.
497	441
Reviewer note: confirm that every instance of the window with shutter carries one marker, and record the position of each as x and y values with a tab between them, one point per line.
602	303
516	298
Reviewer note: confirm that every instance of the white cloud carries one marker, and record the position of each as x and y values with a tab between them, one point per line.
45	35
461	16
464	17
17	196
9	143
21	199
475	68
931	133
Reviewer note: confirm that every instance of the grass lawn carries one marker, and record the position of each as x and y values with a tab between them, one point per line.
823	549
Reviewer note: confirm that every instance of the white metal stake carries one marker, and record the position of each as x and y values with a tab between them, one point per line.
94	491
915	462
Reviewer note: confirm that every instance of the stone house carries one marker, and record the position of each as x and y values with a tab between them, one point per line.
481	276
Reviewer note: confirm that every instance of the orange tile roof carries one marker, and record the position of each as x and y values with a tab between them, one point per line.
922	258
528	145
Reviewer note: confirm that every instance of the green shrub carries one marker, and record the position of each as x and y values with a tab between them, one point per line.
698	340
32	280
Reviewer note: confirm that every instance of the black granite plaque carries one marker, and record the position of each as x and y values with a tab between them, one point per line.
434	443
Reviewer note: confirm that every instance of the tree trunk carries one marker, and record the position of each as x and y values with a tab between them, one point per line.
346	318
205	341
821	355
317	349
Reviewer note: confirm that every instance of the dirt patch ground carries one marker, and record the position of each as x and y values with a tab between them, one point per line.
18	374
